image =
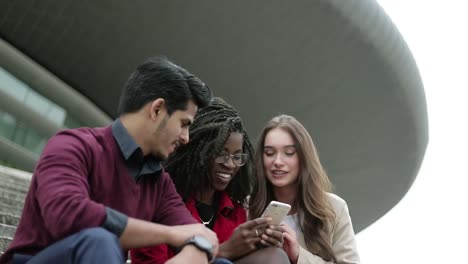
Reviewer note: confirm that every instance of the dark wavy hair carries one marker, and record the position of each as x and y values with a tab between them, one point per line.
189	165
158	77
314	210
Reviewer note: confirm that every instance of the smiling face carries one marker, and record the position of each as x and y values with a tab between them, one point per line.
171	131
222	173
280	158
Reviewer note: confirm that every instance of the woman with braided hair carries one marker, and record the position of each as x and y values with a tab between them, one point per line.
212	173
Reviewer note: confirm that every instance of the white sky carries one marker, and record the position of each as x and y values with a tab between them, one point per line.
430	224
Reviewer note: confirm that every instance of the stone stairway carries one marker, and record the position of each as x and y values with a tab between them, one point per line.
13	188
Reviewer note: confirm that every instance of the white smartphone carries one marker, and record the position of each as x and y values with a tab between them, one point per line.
277	211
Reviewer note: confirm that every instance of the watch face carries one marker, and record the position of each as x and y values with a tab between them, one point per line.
203	243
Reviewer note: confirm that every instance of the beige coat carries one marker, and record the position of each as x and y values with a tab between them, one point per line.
341	237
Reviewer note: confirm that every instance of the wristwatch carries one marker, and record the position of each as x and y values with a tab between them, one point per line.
202	244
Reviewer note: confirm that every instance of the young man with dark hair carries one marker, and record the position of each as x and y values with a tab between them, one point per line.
97	192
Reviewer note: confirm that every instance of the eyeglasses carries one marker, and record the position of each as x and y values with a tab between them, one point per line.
238	159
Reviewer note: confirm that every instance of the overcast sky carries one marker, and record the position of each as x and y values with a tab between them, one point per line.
430	224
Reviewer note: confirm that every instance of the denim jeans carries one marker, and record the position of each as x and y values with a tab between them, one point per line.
92	245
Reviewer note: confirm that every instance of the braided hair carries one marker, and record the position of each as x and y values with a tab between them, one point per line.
189	165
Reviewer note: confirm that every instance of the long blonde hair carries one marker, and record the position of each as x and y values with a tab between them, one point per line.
313	208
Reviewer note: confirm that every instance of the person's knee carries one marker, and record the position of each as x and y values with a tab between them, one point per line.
221	261
275	255
93	245
96	244
98	235
270	255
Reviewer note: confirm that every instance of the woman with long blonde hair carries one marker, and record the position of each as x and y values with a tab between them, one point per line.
318	228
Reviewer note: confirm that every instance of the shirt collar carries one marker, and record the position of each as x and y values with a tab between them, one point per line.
126	143
137	165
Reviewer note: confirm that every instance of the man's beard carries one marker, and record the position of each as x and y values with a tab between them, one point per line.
159	129
160	156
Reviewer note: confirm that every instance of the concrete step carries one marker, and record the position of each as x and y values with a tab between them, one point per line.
6	211
12	196
13	193
14	172
19	186
11	209
12	190
15	185
12	203
13	175
9	219
14	179
7	230
4	242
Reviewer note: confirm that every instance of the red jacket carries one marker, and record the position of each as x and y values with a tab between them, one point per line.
229	215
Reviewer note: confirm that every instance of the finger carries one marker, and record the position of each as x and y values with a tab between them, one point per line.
253	240
278	235
285	226
287	237
272	240
290	232
255	223
268	243
212	237
249	233
268	218
212	233
288	229
265	243
277	228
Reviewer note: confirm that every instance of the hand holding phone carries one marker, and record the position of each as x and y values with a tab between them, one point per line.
277	211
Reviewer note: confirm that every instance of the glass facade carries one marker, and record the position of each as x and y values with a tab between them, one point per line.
17	131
